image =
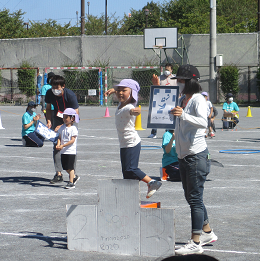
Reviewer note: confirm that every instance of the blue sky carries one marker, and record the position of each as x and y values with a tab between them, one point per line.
64	11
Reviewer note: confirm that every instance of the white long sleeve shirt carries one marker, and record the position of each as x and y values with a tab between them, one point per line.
190	127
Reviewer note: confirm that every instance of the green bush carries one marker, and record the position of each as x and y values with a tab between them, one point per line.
80	82
229	75
26	79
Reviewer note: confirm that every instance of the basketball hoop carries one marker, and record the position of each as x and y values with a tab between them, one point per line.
157	49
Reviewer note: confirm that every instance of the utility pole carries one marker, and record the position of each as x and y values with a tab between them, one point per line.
106	17
82	17
258	15
213	51
88	7
146	12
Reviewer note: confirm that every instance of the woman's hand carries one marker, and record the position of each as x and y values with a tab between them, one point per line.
177	111
155	80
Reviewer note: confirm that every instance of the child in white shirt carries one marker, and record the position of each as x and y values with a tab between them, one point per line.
67	144
130	142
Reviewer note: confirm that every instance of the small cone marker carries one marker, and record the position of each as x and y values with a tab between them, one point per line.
249	112
138	121
1	126
107	113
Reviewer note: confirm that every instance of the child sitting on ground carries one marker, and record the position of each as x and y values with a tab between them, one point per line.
130	142
67	144
170	158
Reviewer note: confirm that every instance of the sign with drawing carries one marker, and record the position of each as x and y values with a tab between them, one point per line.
47	133
162	100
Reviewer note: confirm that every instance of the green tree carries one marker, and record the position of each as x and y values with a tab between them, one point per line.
237	16
11	24
49	29
189	16
136	24
96	25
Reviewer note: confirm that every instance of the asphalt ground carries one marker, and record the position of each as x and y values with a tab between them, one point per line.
33	214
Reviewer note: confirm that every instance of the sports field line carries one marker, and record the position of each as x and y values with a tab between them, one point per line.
231	251
65	238
32	235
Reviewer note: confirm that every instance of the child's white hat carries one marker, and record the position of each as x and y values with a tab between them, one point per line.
72	112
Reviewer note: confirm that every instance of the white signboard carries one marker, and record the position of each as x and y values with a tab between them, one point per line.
47	133
162	100
92	92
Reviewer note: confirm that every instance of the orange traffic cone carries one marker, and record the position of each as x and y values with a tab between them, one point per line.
1	126
138	122
107	113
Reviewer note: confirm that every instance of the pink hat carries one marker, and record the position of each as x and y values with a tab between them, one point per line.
134	85
72	112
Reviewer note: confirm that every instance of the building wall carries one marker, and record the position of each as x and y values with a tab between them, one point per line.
114	50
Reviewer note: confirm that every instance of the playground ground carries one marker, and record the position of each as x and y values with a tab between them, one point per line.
33	214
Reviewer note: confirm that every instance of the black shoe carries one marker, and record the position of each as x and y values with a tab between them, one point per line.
76	179
56	179
70	186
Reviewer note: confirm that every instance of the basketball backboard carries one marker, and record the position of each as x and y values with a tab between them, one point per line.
165	38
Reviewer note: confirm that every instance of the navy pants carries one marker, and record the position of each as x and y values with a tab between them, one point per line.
129	162
33	139
194	170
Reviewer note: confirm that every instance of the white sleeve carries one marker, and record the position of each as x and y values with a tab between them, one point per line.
200	119
74	131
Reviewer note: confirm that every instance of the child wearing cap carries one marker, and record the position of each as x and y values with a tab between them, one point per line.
29	121
67	144
129	140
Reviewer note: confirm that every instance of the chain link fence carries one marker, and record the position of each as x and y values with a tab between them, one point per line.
18	85
85	82
141	74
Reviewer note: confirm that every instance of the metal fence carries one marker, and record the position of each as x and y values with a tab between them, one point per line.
19	85
248	93
141	74
85	82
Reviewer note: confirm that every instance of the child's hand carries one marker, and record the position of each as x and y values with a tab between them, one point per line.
136	111
37	117
155	80
59	147
109	92
57	128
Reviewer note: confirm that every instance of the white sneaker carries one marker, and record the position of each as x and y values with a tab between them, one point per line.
153	186
206	238
190	248
152	136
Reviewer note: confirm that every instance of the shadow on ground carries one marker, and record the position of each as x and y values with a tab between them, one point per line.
33	181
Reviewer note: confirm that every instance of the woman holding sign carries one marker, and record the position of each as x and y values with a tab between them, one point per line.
193	156
29	120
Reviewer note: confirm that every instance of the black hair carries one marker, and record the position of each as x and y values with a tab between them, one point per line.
191	86
168	65
71	117
57	80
